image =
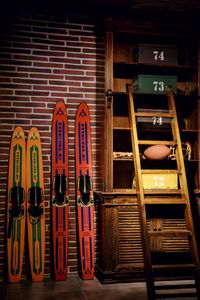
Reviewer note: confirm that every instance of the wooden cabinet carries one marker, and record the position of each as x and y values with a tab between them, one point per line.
134	49
121	242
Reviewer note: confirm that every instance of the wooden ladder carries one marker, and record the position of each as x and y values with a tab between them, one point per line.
146	200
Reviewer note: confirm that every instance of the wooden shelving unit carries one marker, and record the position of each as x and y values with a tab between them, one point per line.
121	248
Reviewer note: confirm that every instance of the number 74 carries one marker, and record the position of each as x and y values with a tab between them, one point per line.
158	55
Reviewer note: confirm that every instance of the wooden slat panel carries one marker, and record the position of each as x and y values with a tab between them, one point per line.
129	239
168	243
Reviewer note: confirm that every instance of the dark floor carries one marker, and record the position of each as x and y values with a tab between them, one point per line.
75	288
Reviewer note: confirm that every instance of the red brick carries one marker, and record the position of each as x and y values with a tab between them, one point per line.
30	81
34	70
30	57
13	74
46	76
48	65
49	42
30	46
48	53
68	71
64	49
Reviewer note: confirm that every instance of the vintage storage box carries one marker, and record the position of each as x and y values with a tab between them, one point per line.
154	84
156	54
159	181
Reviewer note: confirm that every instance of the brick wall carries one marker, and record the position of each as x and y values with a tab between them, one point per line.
42	60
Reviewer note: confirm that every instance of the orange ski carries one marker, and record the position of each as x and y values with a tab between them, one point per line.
16	208
84	190
35	205
60	193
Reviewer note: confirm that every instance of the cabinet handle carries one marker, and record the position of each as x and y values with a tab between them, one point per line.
109	95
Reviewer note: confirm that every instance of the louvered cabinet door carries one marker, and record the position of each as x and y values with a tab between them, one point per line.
120	249
168	244
127	241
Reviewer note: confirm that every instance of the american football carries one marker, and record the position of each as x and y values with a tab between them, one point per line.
157	152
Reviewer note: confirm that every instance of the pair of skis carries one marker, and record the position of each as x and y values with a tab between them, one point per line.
25	205
60	198
60	191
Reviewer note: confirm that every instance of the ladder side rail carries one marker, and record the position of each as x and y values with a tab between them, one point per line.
177	138
183	179
140	195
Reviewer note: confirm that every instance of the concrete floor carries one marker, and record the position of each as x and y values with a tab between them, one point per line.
74	288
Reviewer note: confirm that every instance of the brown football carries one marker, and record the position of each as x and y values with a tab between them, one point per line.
157	152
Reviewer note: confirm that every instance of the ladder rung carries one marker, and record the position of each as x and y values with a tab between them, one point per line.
170	233
162	191
166	200
175	285
152	142
173	266
154	114
160	171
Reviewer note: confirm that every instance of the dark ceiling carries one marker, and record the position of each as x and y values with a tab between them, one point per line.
184	9
140	5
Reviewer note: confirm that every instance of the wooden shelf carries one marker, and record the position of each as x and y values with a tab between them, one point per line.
129	71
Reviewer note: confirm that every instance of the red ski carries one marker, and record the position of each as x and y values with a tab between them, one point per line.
60	194
84	190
